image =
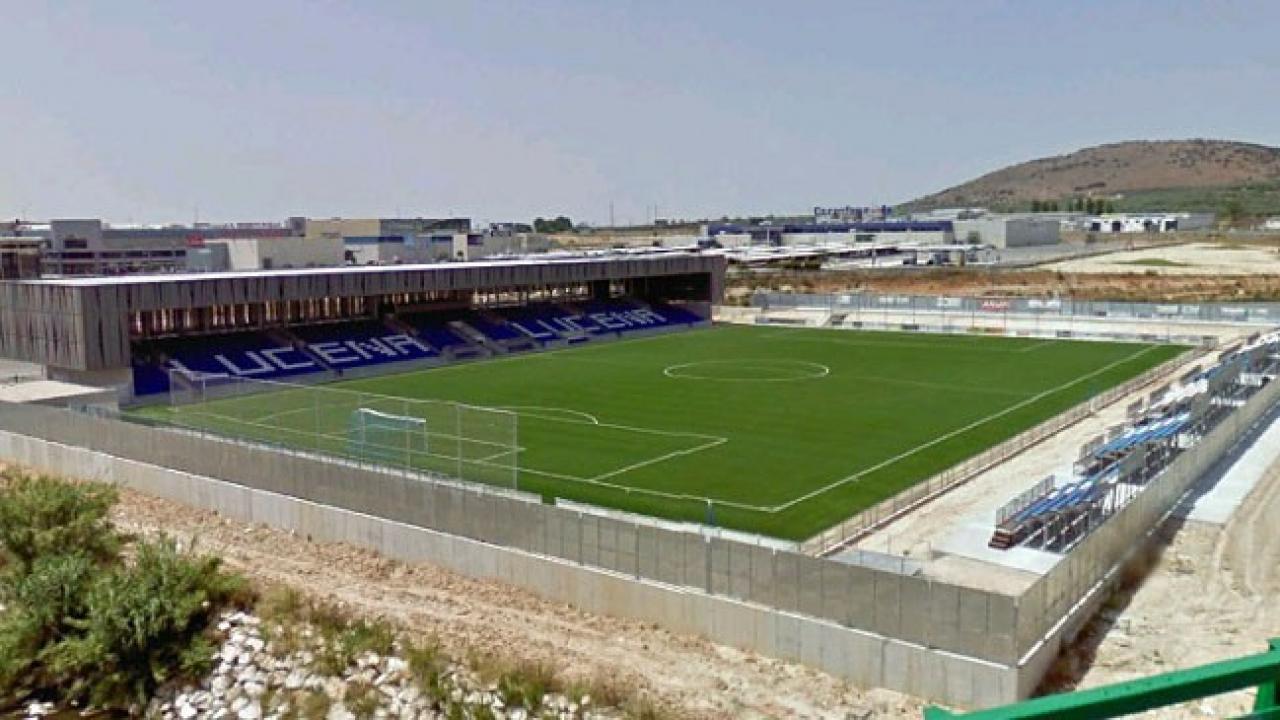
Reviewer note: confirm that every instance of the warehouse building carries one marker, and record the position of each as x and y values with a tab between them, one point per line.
1148	222
927	232
1008	231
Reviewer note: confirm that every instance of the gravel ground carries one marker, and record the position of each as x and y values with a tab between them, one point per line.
1192	259
1210	597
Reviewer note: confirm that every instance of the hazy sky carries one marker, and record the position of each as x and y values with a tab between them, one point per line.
264	109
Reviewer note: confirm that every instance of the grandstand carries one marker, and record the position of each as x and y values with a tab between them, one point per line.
1113	468
394	340
318	324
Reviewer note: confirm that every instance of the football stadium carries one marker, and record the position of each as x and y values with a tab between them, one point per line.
777	431
927	494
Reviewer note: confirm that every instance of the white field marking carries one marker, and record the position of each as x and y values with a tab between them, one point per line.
660	458
974	346
711	441
599	481
488	459
583	347
942	438
339	435
937	386
795	501
810	370
519	410
1036	346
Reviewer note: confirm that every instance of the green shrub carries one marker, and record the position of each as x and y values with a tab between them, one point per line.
144	626
42	516
82	624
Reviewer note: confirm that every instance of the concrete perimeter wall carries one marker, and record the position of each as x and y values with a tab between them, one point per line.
865	658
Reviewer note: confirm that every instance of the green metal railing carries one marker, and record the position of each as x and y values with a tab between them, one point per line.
1261	671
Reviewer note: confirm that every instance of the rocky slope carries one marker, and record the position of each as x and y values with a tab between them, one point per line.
1117	170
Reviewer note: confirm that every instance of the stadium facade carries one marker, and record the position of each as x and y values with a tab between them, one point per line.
128	331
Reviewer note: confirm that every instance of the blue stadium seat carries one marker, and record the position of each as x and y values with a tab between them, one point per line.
256	356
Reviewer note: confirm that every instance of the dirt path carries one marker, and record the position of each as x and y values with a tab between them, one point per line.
1211	596
693	675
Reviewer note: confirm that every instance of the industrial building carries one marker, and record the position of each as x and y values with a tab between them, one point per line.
88	247
1000	231
1147	222
887	231
91	247
1008	231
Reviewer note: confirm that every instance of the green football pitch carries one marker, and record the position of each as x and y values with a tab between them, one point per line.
778	431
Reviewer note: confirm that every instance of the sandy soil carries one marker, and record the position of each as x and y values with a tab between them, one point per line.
1191	259
1211	596
1227	271
694	676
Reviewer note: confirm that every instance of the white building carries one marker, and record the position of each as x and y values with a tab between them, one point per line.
280	252
1148	222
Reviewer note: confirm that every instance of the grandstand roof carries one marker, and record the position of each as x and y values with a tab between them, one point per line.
348	270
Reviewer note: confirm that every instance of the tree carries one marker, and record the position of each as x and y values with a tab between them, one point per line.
560	224
1233	211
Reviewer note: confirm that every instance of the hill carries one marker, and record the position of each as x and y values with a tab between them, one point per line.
1138	175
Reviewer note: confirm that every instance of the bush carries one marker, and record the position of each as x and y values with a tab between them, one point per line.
144	626
42	516
80	623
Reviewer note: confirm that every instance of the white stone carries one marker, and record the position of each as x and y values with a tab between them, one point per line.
251	711
254	689
187	712
338	711
296	679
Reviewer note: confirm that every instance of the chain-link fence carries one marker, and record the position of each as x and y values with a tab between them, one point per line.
437	437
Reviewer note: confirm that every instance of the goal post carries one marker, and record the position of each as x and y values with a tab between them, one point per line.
443	438
383	437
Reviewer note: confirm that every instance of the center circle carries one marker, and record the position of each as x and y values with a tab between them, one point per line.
747	370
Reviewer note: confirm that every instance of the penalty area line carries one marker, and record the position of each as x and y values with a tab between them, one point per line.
958	431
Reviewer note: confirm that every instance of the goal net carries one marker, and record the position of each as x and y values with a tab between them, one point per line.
383	437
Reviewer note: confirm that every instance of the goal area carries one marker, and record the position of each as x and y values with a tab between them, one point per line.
383	437
437	437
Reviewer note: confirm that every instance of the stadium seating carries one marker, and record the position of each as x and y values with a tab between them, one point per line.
335	347
358	344
258	356
594	317
439	336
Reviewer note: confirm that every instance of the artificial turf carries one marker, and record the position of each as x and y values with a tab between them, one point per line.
785	431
